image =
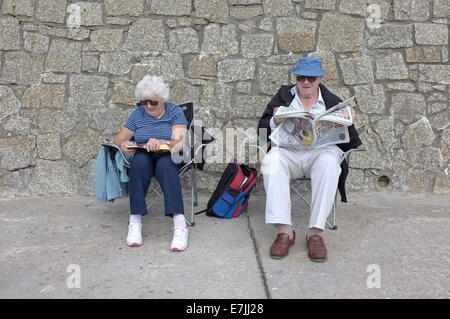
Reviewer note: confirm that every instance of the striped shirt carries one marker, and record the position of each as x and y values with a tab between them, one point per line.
146	126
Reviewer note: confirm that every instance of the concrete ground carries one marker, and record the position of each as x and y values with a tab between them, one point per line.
386	246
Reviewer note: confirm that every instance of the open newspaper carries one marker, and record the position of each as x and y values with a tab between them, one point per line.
304	128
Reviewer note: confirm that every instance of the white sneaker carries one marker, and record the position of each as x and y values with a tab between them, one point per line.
134	238
180	239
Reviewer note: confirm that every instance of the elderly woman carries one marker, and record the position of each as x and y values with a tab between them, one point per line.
153	123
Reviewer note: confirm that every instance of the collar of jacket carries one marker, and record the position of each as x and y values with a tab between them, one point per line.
329	98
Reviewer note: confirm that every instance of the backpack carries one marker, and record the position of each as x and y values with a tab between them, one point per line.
231	195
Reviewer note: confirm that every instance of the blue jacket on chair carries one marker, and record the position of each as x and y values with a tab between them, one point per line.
111	174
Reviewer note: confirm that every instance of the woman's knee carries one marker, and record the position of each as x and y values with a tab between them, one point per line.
140	160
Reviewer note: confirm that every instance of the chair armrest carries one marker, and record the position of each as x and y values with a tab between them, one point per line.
347	154
116	148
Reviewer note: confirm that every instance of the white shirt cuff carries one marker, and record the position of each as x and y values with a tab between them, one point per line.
272	123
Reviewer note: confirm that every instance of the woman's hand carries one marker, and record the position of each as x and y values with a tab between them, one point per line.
153	145
126	150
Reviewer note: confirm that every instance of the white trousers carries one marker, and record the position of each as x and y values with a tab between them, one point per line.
281	165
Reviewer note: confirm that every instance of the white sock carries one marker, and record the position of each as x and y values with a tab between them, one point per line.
179	220
314	231
135	219
287	229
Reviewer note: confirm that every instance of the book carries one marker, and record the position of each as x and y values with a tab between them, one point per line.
304	128
162	147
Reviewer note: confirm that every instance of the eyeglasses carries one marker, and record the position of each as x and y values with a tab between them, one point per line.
152	102
311	79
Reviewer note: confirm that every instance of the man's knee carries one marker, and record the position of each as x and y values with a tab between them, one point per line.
328	160
272	162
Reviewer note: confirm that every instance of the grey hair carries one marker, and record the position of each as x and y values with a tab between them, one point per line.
152	85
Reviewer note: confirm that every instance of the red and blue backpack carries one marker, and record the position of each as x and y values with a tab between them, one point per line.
230	198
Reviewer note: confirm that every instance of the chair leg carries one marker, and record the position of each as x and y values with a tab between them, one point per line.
192	223
194	179
333	216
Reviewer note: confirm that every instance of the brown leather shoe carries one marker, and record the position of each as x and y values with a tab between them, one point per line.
280	247
316	248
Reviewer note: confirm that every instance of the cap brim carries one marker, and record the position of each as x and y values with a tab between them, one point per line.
307	73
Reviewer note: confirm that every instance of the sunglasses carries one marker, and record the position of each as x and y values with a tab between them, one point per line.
152	102
311	79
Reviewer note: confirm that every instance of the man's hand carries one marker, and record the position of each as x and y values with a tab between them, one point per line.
275	120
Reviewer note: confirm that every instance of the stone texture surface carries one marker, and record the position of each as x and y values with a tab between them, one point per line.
184	40
105	40
91	13
119	8
231	70
278	8
357	7
391	36
64	56
356	70
87	93
425	54
371	99
441	8
348	37
220	40
320	4
35	42
44	96
22	68
65	87
171	7
246	12
143	32
201	66
391	67
435	73
253	46
417	10
169	66
19	7
296	35
49	146
272	77
53	177
123	93
211	10
82	145
9	104
431	33
117	63
406	107
9	34
51	10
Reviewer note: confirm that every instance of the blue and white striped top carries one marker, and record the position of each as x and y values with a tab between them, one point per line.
145	126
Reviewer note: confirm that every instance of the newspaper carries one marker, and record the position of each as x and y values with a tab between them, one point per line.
304	128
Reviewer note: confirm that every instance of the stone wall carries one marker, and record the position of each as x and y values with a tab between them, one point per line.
67	80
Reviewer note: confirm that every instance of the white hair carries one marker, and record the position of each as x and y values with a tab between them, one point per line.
151	85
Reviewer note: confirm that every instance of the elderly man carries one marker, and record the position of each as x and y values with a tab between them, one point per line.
322	164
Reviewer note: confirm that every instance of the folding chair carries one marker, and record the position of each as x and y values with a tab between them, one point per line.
252	141
191	151
304	179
